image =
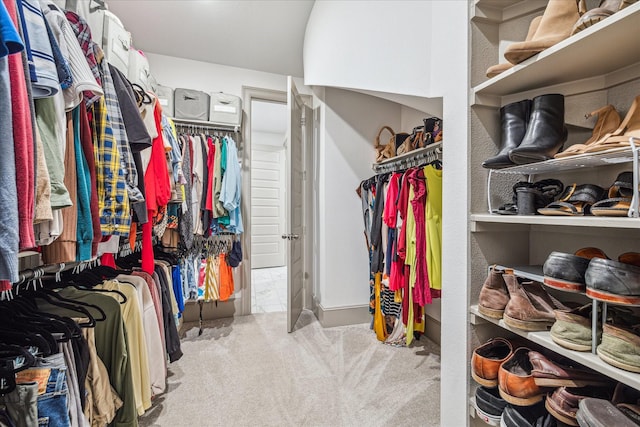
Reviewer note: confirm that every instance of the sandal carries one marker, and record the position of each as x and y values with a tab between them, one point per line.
619	138
618	201
608	121
576	200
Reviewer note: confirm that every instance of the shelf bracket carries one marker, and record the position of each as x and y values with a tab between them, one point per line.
489	191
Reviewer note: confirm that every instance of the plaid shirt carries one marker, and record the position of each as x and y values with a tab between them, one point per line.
120	134
113	200
83	33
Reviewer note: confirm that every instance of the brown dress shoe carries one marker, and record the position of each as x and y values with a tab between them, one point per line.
530	307
548	373
486	361
515	382
493	295
563	402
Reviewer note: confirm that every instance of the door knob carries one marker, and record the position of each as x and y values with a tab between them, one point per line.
291	236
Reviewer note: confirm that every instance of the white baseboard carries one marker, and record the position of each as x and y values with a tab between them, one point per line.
341	316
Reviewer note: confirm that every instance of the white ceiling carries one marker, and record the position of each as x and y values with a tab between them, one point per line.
263	35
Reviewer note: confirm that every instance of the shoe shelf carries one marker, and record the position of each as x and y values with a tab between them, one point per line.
564	221
597	58
609	157
543	338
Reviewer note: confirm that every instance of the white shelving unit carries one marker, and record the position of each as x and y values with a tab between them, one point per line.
572	60
565	221
600	65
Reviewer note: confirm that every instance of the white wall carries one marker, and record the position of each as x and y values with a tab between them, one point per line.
373	45
186	73
351	121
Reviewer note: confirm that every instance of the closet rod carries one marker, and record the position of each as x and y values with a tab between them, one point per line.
199	124
41	270
414	158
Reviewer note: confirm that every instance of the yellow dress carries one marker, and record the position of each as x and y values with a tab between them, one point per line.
433	220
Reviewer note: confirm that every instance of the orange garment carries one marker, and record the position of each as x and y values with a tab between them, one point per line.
226	279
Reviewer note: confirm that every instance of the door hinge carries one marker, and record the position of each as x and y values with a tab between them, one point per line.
302	121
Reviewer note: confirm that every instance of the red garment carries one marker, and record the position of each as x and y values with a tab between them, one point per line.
156	179
397	274
390	206
108	260
210	165
421	289
158	190
23	141
86	139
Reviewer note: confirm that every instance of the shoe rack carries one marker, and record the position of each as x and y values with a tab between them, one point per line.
597	66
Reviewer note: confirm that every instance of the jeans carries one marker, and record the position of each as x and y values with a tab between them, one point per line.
21	405
53	409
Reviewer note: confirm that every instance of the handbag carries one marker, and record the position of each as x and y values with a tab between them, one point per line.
388	150
433	126
417	139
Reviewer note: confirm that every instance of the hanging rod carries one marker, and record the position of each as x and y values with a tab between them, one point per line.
413	158
201	124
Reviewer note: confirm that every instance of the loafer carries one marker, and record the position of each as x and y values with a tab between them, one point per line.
486	361
620	348
613	281
527	416
530	307
489	404
549	373
493	295
566	272
572	328
515	382
563	402
594	412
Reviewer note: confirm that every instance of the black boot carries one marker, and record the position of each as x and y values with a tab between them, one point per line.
546	132
513	122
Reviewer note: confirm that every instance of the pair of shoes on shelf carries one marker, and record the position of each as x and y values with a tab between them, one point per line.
590	270
561	19
524	376
523	304
609	132
528	197
590	199
531	131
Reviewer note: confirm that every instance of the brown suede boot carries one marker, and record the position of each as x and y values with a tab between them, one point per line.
530	307
494	70
556	25
493	295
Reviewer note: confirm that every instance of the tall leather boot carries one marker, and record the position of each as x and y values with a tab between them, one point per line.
513	122
546	132
556	25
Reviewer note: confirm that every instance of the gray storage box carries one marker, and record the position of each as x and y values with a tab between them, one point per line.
191	104
225	109
165	98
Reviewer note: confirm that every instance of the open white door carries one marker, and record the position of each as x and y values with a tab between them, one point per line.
295	178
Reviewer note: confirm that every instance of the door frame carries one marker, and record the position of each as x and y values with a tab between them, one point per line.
249	94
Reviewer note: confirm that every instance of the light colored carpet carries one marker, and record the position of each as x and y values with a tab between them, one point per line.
248	371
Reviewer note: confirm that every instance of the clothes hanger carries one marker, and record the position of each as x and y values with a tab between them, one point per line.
13	359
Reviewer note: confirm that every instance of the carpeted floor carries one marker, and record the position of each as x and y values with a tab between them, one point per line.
247	371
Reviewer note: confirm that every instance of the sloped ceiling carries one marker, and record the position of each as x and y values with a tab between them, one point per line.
262	35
